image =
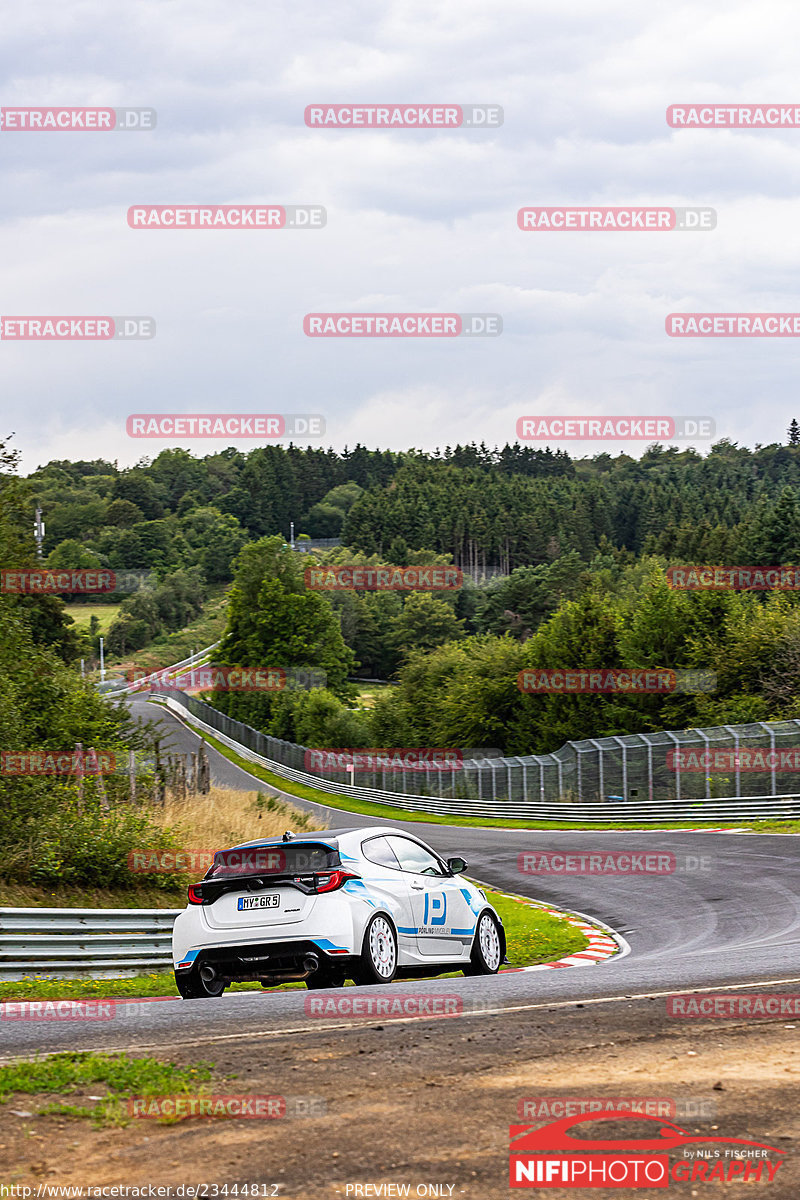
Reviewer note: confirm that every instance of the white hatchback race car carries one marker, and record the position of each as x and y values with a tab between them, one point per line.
367	904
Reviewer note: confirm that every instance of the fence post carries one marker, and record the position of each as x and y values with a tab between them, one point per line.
600	777
738	768
771	733
677	763
94	767
79	772
707	772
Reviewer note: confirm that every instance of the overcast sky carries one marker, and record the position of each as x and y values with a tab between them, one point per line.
416	220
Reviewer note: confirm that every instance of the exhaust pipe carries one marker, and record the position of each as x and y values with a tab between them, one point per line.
310	963
208	973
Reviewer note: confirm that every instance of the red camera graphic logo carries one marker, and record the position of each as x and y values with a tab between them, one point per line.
554	1156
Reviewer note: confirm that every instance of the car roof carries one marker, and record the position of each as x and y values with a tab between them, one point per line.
326	835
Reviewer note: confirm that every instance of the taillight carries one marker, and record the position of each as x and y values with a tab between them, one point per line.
195	893
336	879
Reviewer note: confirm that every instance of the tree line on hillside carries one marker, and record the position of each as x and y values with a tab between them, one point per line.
53	830
510	507
458	683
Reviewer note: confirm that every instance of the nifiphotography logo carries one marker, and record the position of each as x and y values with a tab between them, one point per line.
558	1156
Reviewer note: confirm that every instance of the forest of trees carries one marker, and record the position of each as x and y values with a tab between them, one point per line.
50	833
582	546
505	508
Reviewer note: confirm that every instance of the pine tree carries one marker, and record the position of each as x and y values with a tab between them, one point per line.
794	433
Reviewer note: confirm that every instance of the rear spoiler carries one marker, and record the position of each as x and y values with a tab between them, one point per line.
308	882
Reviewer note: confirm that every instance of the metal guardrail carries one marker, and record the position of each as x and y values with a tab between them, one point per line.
140	685
73	942
697	809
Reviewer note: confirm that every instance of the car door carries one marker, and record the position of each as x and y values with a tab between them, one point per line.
383	875
443	920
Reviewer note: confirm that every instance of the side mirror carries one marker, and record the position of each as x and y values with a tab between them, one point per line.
456	865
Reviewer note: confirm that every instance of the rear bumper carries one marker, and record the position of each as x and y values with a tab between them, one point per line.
265	960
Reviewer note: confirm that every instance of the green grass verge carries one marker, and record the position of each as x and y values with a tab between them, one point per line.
172	647
117	1077
83	613
367	808
23	895
533	936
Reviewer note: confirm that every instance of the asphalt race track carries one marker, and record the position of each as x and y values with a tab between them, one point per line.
728	915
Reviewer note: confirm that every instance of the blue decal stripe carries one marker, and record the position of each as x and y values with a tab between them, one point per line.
327	944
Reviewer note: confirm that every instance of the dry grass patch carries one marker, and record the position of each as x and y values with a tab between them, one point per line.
226	816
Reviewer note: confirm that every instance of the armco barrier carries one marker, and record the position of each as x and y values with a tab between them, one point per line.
503	778
140	685
73	942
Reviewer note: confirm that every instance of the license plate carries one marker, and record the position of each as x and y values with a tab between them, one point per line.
247	902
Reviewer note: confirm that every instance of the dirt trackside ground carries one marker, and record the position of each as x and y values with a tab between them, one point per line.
429	1103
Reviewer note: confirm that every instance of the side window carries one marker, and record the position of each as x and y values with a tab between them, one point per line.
413	857
377	850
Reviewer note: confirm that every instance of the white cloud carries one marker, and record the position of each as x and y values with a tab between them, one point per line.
416	221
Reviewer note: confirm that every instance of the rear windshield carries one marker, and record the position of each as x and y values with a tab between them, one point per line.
290	858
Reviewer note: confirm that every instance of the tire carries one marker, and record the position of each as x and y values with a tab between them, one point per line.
326	977
193	987
487	947
377	962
